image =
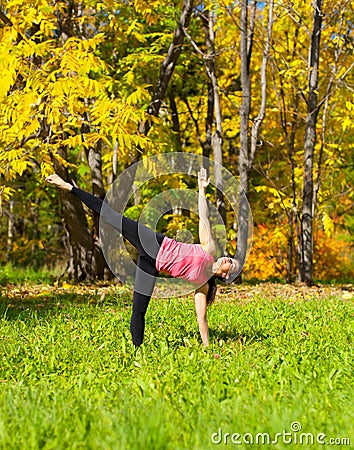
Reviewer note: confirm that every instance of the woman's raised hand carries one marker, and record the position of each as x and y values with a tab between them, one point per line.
203	180
59	182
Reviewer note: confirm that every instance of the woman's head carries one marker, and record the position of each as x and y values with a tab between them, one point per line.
225	267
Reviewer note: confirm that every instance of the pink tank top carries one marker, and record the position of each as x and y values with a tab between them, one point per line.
187	261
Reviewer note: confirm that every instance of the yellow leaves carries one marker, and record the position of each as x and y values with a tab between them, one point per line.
338	40
294	69
275	198
268	256
91	139
8	61
46	164
62	160
73	141
91	44
86	140
148	9
58	84
26	48
69	64
67	286
5	193
7	80
13	162
328	225
24	14
124	140
332	256
347	123
347	119
141	94
18	116
267	189
76	58
19	166
33	127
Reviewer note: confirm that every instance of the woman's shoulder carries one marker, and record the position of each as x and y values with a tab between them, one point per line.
210	249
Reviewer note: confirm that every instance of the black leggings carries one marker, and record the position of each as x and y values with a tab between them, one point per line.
147	243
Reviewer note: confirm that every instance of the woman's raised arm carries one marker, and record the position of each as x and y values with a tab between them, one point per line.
205	237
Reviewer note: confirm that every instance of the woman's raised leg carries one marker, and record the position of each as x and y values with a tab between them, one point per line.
145	240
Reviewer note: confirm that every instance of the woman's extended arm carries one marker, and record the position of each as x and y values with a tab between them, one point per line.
59	182
205	237
201	310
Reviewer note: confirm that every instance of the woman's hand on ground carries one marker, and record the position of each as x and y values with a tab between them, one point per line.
59	182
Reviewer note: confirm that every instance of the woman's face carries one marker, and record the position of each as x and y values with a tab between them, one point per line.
225	266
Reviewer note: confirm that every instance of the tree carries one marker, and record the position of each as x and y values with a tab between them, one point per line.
248	145
213	140
293	70
60	96
309	145
77	85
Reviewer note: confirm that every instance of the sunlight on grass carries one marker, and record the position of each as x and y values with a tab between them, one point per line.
71	379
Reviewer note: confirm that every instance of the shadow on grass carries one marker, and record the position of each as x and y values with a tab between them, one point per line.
228	336
232	334
42	306
21	309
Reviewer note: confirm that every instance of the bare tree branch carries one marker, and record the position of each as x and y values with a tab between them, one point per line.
259	119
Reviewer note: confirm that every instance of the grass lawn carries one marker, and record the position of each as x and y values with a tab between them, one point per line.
277	374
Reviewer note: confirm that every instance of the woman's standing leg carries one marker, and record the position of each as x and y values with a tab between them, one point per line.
145	279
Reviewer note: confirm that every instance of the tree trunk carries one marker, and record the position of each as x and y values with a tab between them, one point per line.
10	228
175	121
217	137
79	242
166	73
292	122
93	156
263	83
246	38
168	65
309	145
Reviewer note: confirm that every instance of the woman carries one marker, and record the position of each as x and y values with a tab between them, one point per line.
156	252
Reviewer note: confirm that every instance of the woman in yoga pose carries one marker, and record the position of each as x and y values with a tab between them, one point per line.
156	252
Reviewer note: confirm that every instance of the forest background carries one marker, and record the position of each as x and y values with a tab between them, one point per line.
264	88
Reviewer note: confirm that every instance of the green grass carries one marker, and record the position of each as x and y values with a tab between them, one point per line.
71	379
9	274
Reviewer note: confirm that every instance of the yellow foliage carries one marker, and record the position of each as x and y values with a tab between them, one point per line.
70	80
267	258
148	9
328	225
332	257
5	193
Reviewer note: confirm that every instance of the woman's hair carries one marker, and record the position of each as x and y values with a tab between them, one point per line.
211	291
